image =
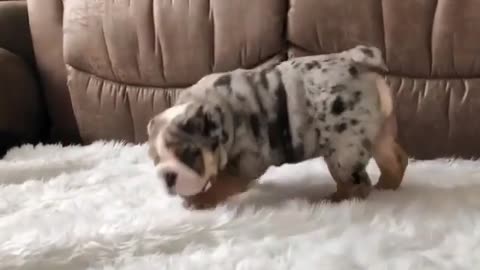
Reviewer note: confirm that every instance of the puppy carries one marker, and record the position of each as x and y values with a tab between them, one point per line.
228	128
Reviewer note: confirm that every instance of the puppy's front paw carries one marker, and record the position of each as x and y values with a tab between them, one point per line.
220	191
195	204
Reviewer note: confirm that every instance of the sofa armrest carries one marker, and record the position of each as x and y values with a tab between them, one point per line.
22	112
15	30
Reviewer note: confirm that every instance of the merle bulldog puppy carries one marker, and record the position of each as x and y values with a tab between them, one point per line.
228	128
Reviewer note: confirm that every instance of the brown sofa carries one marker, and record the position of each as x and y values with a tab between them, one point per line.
22	114
124	61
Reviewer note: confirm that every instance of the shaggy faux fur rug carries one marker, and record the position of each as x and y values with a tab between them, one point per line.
101	207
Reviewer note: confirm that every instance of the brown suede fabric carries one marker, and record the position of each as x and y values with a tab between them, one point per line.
45	18
15	30
127	60
22	115
432	54
22	118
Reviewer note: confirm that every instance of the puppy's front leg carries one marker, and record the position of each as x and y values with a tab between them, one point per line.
224	187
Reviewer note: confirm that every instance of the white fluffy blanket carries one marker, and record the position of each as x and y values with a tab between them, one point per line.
101	207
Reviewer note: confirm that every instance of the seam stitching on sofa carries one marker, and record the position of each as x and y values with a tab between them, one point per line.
130	113
126	83
431	36
154	88
211	17
158	41
107	49
383	31
448	111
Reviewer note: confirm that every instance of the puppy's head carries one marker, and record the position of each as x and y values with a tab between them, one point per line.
187	146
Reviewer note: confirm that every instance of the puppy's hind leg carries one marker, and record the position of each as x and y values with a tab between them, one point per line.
390	157
347	167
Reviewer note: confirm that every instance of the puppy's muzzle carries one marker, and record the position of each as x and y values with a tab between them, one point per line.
180	179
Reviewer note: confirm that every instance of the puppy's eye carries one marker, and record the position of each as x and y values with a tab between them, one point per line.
191	156
188	154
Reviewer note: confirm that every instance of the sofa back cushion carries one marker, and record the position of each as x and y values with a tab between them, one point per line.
127	60
45	18
431	49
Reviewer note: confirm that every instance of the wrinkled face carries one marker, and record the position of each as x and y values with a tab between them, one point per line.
186	153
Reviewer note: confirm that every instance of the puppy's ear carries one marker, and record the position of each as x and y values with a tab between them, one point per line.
151	127
201	121
193	123
154	126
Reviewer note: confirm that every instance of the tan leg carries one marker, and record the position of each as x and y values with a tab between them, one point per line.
223	188
390	157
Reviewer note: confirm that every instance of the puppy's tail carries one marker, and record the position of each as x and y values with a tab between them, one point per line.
369	57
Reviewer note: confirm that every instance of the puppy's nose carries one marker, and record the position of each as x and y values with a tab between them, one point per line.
170	178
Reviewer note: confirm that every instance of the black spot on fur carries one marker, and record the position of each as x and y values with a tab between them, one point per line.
210	126
309	120
273	135
354	122
367	51
367	144
339	128
223	80
192	125
338	88
324	104
299	151
219	112
263	79
255	124
308	103
324	70
327	128
224	137
362	131
214	146
359	175
318	133
357	95
256	93
240	97
353	71
236	121
322	117
192	158
283	122
312	65
338	106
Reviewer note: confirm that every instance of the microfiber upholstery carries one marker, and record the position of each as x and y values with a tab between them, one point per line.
111	65
127	60
22	114
431	49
